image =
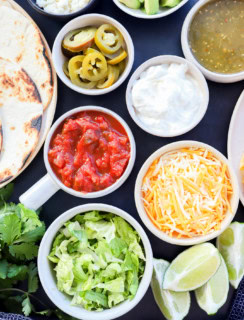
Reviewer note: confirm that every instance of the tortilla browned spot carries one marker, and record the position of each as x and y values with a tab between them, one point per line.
28	80
21	42
25	159
6	179
22	111
37	123
45	55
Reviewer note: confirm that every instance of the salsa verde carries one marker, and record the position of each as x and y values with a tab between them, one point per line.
216	36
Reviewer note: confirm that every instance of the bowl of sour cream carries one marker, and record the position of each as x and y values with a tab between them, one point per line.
167	96
62	10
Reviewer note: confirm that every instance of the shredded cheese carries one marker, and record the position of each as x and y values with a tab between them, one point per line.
186	193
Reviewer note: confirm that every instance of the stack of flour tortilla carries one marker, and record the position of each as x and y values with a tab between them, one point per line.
26	89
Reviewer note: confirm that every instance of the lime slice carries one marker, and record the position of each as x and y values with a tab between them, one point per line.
231	245
192	268
213	295
173	305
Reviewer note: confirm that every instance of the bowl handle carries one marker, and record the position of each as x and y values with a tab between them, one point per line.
39	193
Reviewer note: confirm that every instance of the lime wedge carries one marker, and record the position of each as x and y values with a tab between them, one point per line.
192	268
231	245
213	295
173	305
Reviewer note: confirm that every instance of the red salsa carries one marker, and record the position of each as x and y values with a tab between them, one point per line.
89	151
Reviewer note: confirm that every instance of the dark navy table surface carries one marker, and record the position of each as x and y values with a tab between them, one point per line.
151	38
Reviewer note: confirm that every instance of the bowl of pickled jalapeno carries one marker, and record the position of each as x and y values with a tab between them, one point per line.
93	54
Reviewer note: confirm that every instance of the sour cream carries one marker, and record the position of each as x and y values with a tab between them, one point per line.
166	98
62	6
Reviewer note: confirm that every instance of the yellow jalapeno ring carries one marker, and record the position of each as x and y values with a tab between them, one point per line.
119	58
122	66
116	72
94	66
86	84
109	79
80	39
108	39
75	67
90	50
66	69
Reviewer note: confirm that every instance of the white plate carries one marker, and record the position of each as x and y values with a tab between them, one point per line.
236	141
140	14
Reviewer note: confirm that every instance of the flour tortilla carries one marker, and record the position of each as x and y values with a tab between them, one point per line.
5	3
21	42
21	113
1	136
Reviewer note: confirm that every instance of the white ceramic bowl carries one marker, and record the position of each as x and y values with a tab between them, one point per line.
163	12
235	144
214	76
140	207
47	276
64	16
192	70
40	192
83	21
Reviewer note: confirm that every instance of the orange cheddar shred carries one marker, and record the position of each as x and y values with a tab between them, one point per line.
186	193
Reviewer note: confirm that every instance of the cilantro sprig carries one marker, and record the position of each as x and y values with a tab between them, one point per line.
20	232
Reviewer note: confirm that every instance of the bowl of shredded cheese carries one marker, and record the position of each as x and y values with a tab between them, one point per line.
187	193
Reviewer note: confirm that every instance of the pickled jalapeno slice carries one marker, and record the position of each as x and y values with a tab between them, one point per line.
108	39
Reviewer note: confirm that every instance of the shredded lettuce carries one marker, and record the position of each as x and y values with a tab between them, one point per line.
98	259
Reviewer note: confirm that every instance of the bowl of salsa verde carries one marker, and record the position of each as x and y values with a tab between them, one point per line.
89	152
213	38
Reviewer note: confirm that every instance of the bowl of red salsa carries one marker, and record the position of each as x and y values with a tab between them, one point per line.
89	152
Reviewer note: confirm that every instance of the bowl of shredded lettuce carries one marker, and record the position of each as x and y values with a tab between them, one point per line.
95	262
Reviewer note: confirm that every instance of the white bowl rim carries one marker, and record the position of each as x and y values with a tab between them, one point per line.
158	15
157	61
210	75
230	133
44	266
140	208
57	48
117	183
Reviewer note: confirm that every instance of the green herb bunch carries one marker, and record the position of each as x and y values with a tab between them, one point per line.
20	230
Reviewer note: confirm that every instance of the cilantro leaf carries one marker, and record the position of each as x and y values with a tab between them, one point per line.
10	228
7	208
27	307
6	192
32	278
46	312
7	283
3	269
17	272
24	251
29	218
33	235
